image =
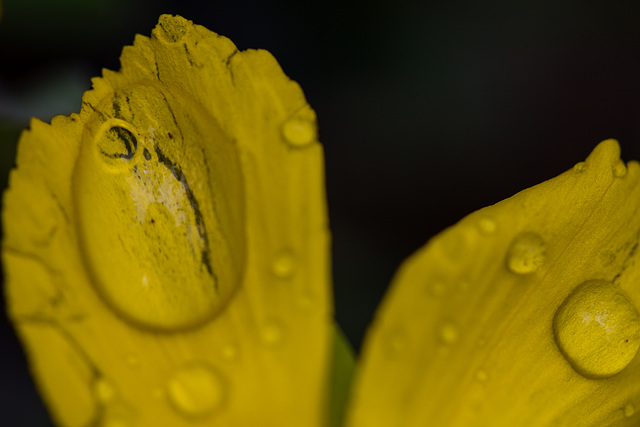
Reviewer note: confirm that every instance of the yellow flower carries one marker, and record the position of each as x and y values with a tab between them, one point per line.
166	253
166	248
522	314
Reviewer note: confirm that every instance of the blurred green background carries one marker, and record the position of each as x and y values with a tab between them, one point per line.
428	111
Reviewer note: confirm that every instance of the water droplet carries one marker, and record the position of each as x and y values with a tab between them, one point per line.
151	236
448	333
597	329
629	410
396	342
487	225
579	167
171	29
284	264
306	300
299	131
526	253
437	288
133	361
104	390
196	390
619	169
481	375
272	333
117	144
230	352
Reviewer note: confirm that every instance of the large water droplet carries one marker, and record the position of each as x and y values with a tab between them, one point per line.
299	131
149	220
526	253
597	329
196	390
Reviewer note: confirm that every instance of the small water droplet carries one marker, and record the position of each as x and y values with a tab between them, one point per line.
619	169
147	154
448	333
117	144
284	264
104	390
597	329
230	352
481	375
133	361
629	410
171	29
437	288
196	390
299	131
526	253
487	225
396	342
579	167
272	333
306	300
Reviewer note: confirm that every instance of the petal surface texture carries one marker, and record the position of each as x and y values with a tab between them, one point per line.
166	249
522	314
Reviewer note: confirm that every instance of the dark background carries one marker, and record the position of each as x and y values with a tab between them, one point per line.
427	111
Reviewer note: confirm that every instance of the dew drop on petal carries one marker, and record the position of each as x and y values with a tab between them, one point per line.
395	342
437	288
629	410
487	225
299	131
230	352
526	253
171	29
196	390
448	333
272	333
284	264
149	221
481	375
104	390
619	169
579	167
597	329
133	361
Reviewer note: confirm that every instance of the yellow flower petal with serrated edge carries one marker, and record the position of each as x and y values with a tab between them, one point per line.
166	249
522	314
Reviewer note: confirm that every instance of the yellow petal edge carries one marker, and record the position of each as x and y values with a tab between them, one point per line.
166	249
522	314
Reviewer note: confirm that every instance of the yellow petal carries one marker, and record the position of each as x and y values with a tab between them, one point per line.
166	249
522	314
